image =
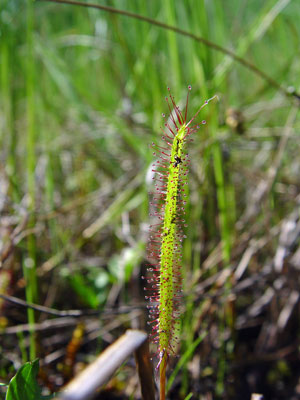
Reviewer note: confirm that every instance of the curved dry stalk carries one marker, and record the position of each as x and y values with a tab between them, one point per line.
272	82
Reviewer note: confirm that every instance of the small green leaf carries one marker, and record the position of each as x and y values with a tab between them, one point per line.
87	293
24	386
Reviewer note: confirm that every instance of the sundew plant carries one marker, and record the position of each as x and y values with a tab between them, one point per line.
167	233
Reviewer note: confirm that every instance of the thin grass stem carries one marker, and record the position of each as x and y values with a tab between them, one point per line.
29	263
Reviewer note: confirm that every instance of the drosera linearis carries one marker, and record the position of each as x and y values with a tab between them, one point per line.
166	235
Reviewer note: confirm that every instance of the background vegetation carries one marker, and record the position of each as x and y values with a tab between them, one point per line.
82	92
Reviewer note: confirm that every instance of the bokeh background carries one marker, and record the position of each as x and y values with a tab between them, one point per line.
82	93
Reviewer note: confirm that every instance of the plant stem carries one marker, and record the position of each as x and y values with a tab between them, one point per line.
29	264
162	377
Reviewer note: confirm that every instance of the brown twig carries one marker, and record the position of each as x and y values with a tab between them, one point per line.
68	313
182	32
84	386
47	310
